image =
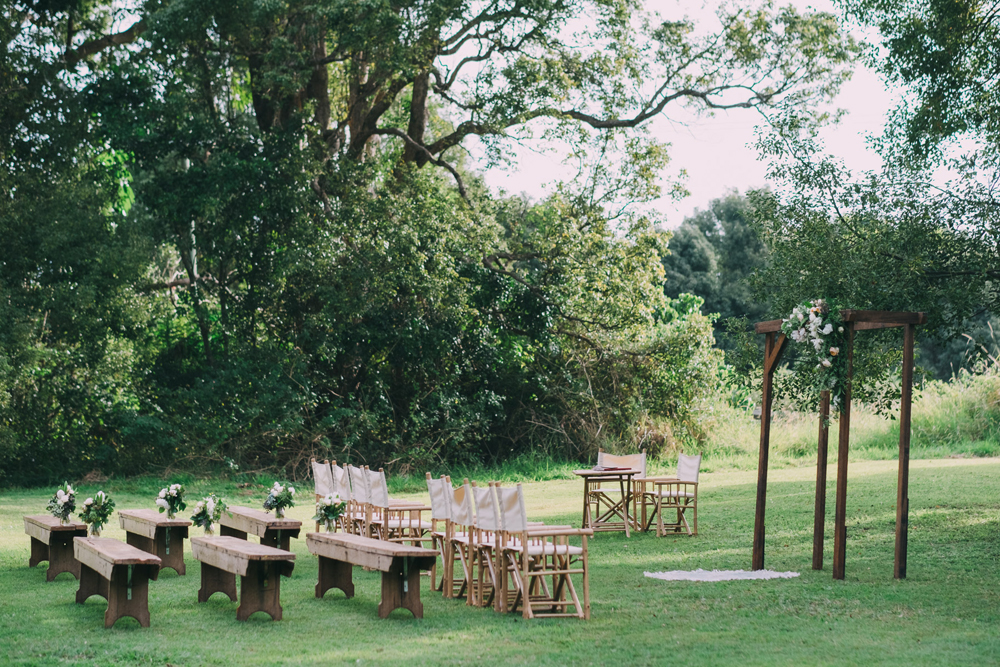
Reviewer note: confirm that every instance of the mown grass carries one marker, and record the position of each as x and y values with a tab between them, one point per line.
945	613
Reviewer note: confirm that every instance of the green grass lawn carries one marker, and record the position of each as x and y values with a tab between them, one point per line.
947	612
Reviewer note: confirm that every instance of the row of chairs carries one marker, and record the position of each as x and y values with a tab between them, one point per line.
506	561
370	511
491	554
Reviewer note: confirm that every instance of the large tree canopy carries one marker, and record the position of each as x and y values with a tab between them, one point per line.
257	223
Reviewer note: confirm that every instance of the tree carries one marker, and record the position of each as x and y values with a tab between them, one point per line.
323	273
712	255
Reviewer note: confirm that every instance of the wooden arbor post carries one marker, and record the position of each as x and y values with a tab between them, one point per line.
854	320
773	349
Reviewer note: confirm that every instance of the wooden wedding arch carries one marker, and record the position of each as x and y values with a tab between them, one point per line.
774	345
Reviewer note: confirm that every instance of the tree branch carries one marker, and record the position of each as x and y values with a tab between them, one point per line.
89	48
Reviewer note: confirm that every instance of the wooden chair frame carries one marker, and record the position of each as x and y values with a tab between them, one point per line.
532	554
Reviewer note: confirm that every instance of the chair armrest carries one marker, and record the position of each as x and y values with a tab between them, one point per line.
655	479
673	482
559	531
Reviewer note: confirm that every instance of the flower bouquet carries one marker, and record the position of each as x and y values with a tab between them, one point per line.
817	327
208	511
171	500
63	503
279	498
96	512
329	508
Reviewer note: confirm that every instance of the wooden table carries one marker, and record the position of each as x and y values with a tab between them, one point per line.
606	520
260	568
400	565
119	573
272	531
53	541
154	532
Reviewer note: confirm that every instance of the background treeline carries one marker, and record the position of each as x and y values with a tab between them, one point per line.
237	234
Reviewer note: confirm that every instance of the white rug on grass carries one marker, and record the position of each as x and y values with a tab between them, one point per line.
719	575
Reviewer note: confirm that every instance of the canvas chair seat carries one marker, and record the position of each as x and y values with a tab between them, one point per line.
544	548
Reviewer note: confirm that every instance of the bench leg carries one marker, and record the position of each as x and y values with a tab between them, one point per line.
401	588
128	594
61	557
260	590
226	531
279	539
91	583
334	574
170	548
214	580
39	552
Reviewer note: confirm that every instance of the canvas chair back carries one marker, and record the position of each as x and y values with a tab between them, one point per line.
634	461
378	489
359	485
688	467
512	514
439	490
341	483
487	514
460	511
323	477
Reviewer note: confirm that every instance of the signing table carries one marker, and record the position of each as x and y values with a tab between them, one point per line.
156	534
603	511
52	540
272	531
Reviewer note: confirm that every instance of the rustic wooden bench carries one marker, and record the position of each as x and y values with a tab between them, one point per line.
400	565
53	541
272	531
119	573
155	533
260	568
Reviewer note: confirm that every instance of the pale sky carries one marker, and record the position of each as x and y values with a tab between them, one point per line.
718	152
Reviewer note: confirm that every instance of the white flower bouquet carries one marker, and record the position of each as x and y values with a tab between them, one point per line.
97	511
208	511
63	503
329	508
817	328
279	499
171	500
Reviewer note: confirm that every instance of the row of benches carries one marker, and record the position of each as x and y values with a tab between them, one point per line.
120	572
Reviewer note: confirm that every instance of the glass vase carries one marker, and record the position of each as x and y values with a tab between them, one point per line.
95	531
279	512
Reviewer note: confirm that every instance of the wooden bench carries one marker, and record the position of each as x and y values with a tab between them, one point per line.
53	541
260	568
119	573
272	531
155	533
400	565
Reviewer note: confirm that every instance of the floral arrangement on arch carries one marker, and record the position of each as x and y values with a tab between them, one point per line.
279	499
817	328
329	508
171	500
208	511
62	504
97	511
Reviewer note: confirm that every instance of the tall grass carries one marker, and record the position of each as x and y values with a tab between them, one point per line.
955	418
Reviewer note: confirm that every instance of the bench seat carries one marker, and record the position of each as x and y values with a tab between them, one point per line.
259	566
239	522
53	541
400	565
119	573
